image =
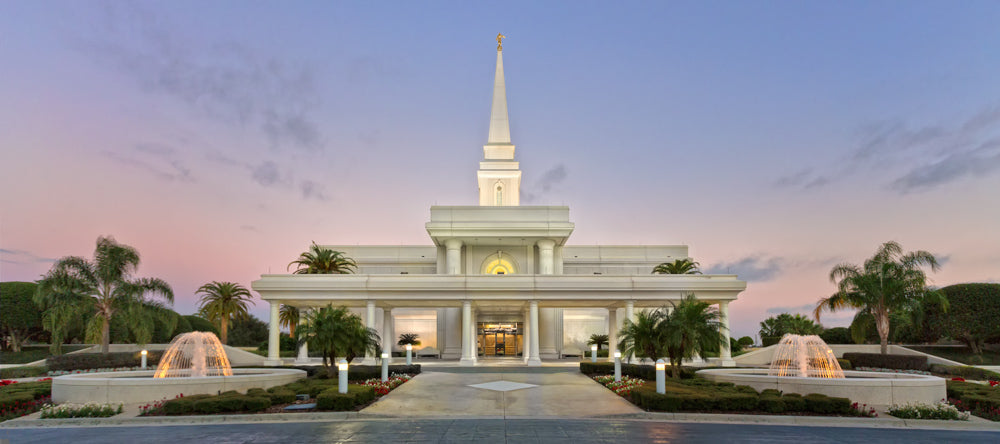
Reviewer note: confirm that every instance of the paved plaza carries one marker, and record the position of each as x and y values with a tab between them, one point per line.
493	392
486	431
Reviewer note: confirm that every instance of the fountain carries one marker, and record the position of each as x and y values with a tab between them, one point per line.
804	356
195	363
805	364
196	354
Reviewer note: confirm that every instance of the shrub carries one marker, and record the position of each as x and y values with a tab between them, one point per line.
827	404
257	403
939	410
208	405
770	392
332	399
231	403
837	335
36	389
794	402
641	371
86	361
199	323
362	372
23	372
88	410
844	364
902	362
771	404
965	371
281	396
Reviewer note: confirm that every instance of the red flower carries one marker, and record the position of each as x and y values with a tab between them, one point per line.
958	378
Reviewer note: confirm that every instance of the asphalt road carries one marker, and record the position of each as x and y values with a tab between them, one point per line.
488	431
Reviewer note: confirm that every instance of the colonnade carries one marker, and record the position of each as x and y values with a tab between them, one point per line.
531	332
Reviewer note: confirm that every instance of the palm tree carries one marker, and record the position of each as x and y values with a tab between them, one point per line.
692	328
643	337
321	260
408	339
337	332
598	340
887	282
679	266
288	316
108	282
222	301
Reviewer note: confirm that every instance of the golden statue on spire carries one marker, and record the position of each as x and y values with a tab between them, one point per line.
499	42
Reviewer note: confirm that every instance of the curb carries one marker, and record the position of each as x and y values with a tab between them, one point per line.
776	420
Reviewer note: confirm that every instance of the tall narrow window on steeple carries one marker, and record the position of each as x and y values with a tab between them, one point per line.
499	195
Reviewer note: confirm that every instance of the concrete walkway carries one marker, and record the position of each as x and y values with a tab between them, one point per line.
447	392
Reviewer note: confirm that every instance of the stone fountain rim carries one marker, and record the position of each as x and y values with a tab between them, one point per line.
852	375
133	374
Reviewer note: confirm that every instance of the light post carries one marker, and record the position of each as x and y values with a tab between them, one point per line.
385	366
342	377
661	377
409	354
593	353
143	353
618	366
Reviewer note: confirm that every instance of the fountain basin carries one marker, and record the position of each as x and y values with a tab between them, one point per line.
140	386
872	388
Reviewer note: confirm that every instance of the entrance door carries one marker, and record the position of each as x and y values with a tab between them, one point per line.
500	339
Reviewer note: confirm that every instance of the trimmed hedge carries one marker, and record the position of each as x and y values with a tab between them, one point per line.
362	372
225	403
974	396
845	364
23	372
965	371
900	362
702	395
641	371
86	361
13	395
332	399
279	395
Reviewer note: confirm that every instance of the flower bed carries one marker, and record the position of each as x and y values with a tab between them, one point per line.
22	398
621	388
982	400
383	388
88	410
939	410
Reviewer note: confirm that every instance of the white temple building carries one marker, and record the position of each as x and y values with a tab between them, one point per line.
499	280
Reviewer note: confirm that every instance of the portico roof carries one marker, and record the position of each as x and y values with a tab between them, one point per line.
511	290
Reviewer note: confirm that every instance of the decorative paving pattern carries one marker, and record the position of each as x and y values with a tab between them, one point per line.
502	386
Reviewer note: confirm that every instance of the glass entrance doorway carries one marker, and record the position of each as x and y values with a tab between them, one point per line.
499	338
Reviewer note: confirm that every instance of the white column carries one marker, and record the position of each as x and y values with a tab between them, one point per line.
303	357
546	264
453	256
473	336
370	323
612	333
273	337
725	353
534	360
558	334
630	315
466	334
526	336
388	338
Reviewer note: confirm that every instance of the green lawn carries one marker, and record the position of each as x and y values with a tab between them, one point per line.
960	354
32	353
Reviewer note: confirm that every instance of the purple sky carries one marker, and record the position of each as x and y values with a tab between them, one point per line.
775	138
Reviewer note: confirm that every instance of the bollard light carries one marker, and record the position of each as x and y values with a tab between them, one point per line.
593	353
385	366
143	353
661	377
342	377
618	366
409	354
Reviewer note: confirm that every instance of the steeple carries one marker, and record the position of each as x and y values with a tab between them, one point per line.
499	123
499	174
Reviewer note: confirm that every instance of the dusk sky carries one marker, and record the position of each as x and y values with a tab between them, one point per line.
775	138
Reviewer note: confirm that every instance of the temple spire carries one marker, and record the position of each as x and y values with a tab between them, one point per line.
499	175
499	123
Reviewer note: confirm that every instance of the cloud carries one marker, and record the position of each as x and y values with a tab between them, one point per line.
805	308
920	157
978	162
546	182
266	173
222	80
750	268
158	160
22	256
313	190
